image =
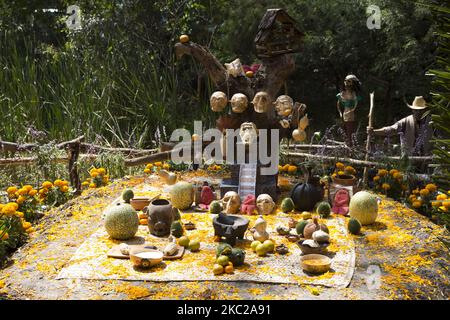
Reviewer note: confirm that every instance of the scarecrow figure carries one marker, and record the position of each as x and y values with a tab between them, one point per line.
347	101
414	130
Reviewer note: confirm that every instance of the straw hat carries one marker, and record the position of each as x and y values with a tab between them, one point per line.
418	103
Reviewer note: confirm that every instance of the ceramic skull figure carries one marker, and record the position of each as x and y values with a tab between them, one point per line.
248	132
265	204
218	101
261	102
284	105
231	202
234	68
239	103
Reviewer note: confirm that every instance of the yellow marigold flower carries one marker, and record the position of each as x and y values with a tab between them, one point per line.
19	214
166	166
397	175
334	175
412	197
436	204
385	186
280	168
286	167
105	179
441	196
14	205
43	191
21	199
443	208
149	166
424	192
57	182
158	164
340	173
431	187
218	167
22	191
11	189
340	166
376	178
92	185
416	191
393	171
9	209
349	170
417	204
5	236
65	183
101	171
47	184
292	169
382	172
65	188
446	203
29	230
146	170
32	193
28	187
26	225
94	174
85	183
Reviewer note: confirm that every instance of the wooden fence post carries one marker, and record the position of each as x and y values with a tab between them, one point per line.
74	152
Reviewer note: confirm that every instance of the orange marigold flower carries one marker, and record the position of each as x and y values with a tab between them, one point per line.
436	204
11	189
382	172
393	171
385	186
446	203
26	225
33	192
431	187
417	204
424	192
57	182
21	199
22	191
292	169
5	236
441	196
101	171
158	163
64	188
47	184
398	175
416	191
376	178
340	166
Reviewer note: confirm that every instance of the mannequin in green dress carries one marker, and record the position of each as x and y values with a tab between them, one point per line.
347	102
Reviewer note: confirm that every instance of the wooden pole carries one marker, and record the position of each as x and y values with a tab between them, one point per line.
74	152
369	136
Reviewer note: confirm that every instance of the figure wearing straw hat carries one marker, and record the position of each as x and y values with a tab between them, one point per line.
414	130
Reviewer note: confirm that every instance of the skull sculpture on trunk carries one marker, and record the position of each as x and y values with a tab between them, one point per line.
231	202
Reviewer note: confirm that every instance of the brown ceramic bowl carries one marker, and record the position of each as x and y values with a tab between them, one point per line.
315	263
146	258
308	250
139	203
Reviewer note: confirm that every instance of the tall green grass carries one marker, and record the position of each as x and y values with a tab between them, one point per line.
109	98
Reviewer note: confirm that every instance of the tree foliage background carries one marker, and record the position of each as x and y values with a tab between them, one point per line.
117	80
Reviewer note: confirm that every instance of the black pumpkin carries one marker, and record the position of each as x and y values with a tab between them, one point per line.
306	196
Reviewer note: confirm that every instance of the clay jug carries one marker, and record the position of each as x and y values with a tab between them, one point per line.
312	227
160	217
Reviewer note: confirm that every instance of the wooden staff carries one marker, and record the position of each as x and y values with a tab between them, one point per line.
369	136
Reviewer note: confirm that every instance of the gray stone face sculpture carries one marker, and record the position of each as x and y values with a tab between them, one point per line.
261	102
265	204
239	103
248	132
218	101
231	202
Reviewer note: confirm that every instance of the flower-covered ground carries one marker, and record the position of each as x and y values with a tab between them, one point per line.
405	246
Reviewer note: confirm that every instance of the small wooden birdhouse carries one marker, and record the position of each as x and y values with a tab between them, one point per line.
277	34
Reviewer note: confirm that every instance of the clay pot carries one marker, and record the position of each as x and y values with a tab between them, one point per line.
160	217
344	179
313	226
139	203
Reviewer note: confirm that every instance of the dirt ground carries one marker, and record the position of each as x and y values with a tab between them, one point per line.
403	245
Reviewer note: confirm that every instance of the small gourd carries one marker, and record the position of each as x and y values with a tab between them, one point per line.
313	226
321	236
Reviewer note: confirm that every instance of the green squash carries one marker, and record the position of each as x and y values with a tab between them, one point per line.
323	209
287	205
176	229
301	226
353	226
127	195
121	221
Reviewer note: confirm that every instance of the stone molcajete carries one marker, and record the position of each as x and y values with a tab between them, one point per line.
160	217
230	227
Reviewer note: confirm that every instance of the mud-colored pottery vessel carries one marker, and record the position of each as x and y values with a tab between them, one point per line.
139	203
230	227
315	263
160	217
145	258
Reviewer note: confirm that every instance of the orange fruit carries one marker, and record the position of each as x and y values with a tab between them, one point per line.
184	38
229	269
249	74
